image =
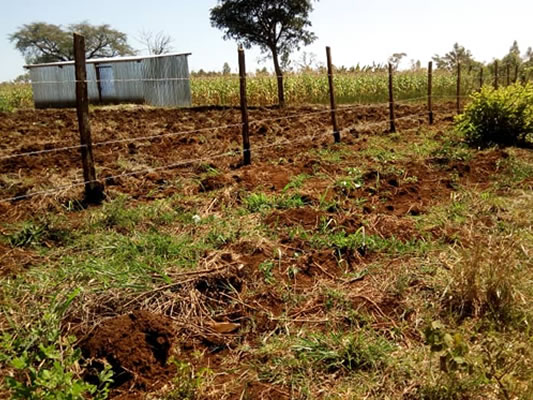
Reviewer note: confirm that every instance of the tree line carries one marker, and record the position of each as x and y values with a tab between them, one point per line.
277	27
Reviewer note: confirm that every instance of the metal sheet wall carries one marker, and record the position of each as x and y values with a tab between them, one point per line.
128	81
55	86
167	81
161	81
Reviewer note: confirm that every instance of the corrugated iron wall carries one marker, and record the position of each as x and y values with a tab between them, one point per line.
176	91
129	84
55	86
162	81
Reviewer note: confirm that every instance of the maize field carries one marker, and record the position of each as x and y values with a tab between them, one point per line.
365	87
311	88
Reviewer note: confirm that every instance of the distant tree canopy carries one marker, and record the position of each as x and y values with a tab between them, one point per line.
40	42
226	69
276	26
458	55
513	58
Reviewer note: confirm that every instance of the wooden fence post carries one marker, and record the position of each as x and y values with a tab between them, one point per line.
458	88
333	104
391	102
430	92
246	153
496	83
94	190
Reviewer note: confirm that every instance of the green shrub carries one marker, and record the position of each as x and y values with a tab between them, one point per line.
499	117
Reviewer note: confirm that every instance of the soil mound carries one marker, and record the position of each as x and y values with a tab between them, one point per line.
136	345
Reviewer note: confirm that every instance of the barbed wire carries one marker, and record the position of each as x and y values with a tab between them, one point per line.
193	161
128	80
228	126
81	251
466	75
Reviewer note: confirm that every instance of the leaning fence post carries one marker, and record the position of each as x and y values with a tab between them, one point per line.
391	102
430	92
247	156
458	88
336	133
94	190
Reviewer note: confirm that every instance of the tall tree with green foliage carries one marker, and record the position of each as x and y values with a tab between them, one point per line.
40	42
276	26
458	54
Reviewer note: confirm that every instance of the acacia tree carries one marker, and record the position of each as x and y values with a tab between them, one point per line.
40	42
276	26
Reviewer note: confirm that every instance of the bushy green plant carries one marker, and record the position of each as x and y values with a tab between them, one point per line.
44	364
499	117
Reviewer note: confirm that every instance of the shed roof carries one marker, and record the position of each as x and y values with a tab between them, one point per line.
106	60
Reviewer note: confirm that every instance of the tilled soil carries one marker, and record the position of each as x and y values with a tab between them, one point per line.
185	143
149	146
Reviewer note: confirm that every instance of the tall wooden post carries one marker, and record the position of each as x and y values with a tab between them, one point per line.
247	156
430	92
458	88
94	190
496	77
508	73
391	102
333	104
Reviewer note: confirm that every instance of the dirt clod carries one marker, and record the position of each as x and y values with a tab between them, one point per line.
136	345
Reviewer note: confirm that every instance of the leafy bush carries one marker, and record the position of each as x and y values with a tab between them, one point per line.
42	364
499	117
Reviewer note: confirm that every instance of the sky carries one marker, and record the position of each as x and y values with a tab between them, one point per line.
357	31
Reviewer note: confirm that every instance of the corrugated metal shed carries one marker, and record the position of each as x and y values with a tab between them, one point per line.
161	80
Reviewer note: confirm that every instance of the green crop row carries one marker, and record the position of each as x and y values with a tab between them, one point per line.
367	87
14	96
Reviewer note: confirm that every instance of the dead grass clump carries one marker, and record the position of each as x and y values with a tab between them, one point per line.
484	281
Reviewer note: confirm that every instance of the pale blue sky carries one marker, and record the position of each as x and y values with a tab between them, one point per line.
357	31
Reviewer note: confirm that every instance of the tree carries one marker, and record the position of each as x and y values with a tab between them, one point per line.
276	26
513	58
395	60
458	54
40	42
307	62
156	43
226	69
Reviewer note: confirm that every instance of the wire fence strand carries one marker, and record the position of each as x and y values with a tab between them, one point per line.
208	129
201	159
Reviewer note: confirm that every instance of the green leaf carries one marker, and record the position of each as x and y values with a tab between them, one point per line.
19	362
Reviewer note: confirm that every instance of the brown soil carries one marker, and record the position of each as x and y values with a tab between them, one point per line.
306	217
237	304
13	260
37	130
137	346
